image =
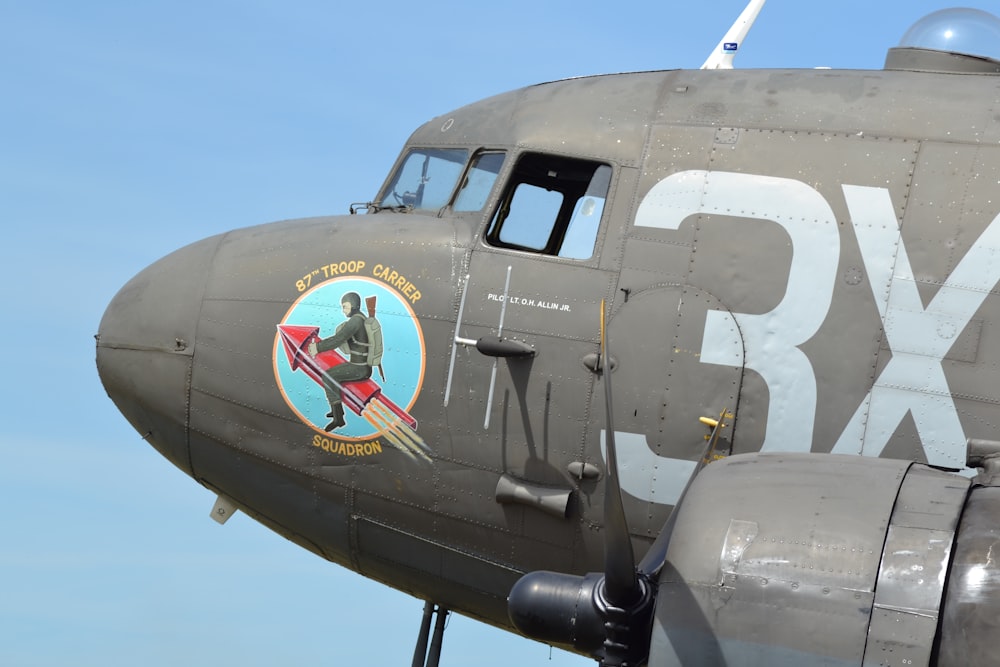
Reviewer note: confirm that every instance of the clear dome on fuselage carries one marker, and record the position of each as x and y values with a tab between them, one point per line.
966	31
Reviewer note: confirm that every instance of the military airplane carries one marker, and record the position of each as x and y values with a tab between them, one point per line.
667	368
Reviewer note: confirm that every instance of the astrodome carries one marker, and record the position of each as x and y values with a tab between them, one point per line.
966	31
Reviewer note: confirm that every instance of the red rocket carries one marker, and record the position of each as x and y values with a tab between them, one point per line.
363	397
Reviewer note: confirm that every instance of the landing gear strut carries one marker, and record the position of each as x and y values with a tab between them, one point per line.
421	656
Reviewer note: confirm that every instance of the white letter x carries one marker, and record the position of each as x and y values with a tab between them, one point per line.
919	338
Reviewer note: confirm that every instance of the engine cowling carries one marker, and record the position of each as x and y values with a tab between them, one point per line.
792	559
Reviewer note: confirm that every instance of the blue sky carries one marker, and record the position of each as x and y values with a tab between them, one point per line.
130	129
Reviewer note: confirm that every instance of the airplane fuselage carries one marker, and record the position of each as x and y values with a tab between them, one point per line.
810	254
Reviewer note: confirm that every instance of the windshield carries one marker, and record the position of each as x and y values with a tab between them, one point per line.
425	180
478	182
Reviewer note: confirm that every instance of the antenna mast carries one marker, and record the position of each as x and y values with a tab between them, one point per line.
723	55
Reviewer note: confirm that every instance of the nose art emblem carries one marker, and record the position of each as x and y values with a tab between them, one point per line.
349	362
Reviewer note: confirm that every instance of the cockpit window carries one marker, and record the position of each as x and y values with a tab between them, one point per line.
578	243
552	205
425	180
478	181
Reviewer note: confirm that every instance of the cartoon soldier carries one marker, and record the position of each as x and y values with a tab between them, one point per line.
353	334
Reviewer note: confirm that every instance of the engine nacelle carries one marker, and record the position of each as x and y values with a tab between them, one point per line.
970	622
793	559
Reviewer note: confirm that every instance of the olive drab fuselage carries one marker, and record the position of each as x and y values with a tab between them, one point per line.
809	256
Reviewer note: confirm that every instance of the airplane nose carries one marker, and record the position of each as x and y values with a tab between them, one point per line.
145	347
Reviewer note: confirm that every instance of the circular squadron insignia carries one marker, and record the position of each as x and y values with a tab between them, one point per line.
349	362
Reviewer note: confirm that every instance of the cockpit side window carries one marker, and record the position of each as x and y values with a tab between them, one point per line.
478	182
425	180
581	234
552	205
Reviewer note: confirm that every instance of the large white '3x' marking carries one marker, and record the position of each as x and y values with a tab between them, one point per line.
913	380
769	341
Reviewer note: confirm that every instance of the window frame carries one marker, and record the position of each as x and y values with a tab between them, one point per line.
538	169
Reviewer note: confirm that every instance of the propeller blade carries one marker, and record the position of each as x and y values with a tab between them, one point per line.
552	606
621	582
653	561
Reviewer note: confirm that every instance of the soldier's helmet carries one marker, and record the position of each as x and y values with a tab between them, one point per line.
354	299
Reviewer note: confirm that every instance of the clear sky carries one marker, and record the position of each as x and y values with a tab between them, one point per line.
132	128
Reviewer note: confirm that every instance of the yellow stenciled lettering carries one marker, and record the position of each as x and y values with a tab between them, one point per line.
355	450
323	443
397	280
342	268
